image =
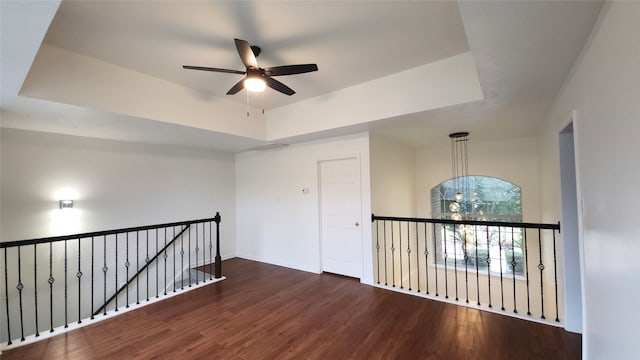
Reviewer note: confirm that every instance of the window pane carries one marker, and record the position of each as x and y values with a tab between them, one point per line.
493	248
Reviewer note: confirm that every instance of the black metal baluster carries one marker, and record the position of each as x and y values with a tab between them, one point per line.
137	268
417	255
92	286
409	254
157	266
384	229
526	264
174	257
500	255
116	274
455	260
6	298
79	276
189	255
466	263
513	270
126	266
204	252
541	268
146	261
196	226
218	219
35	288
400	253
426	259
210	252
475	235
378	250
50	280
393	259
446	272
66	322
104	271
435	253
489	268
165	260
555	272
20	287
182	260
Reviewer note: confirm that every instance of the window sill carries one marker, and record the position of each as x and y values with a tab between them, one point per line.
472	270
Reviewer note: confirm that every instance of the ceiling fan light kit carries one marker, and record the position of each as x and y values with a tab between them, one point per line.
257	78
254	84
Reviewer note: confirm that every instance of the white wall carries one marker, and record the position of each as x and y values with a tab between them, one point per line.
514	160
393	175
117	185
603	88
276	222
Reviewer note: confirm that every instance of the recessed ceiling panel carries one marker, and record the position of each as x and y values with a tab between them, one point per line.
351	41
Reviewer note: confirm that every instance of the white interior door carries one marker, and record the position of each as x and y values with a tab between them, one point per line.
341	217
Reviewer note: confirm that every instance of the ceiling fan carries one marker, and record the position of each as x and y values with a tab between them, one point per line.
256	77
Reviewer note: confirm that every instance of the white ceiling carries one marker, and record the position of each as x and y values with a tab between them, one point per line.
352	42
523	51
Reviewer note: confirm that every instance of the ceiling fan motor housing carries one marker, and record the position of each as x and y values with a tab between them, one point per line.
256	50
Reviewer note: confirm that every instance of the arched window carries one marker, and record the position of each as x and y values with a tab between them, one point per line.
486	199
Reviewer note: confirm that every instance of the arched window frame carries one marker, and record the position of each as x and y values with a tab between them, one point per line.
487	199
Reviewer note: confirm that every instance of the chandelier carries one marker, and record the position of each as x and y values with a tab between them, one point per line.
460	170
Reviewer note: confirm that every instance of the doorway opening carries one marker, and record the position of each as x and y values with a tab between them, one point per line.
570	230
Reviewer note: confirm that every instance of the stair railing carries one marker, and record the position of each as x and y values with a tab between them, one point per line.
113	268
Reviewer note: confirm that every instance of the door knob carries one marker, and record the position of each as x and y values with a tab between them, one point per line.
357	223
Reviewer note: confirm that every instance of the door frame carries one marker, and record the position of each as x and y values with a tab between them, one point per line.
573	122
358	159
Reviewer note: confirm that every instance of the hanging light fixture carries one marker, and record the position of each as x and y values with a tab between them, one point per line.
460	171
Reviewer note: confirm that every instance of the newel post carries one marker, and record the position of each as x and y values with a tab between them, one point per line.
218	259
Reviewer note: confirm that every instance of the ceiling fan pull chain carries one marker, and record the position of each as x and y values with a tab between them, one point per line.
262	101
247	103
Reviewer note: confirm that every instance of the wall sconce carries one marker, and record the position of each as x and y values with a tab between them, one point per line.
66	204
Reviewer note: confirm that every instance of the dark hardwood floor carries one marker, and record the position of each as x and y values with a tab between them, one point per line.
263	311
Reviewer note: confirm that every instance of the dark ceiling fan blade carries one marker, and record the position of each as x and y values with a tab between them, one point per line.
246	54
278	86
290	69
228	71
237	87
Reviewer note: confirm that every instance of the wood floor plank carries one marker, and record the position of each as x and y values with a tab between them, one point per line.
264	311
